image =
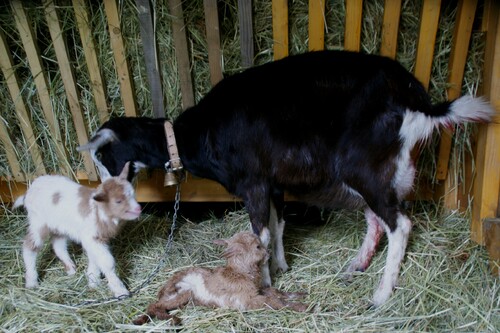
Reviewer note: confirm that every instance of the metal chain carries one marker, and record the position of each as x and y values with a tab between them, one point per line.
155	271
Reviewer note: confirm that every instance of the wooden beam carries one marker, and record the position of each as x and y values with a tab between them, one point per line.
148	38
122	68
492	243
316	25
213	40
69	82
487	182
181	52
28	38
245	18
12	81
280	28
390	28
93	68
460	47
429	21
353	23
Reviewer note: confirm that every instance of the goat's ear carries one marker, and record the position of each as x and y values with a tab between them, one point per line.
101	197
221	242
124	174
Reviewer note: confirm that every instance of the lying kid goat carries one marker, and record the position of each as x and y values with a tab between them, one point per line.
236	285
334	129
62	209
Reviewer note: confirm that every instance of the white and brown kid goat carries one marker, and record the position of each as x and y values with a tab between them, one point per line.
61	209
236	285
335	129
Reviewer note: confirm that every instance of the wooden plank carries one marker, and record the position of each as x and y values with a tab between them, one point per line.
148	37
122	68
181	52
353	20
492	243
213	40
390	28
69	82
245	19
456	67
28	38
93	68
316	25
280	28
429	21
487	182
12	81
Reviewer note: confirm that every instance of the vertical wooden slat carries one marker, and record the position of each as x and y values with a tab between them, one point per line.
390	28
487	182
429	20
27	36
146	12
12	81
122	69
456	67
181	52
316	25
246	32
69	82
353	20
96	81
213	40
280	28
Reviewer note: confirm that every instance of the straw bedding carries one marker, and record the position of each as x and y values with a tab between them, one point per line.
445	283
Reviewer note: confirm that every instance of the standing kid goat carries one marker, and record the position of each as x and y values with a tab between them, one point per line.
236	285
62	209
333	128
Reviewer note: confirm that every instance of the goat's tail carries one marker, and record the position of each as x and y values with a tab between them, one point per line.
19	202
102	137
419	125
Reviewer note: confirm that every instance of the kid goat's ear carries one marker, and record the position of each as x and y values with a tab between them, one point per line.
124	174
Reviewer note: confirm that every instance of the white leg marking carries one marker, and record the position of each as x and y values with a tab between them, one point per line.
373	234
265	238
60	246
278	260
398	240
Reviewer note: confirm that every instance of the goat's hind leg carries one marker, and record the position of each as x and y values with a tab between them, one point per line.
33	243
373	234
277	227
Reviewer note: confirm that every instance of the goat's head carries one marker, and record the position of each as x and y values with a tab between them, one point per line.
118	197
243	250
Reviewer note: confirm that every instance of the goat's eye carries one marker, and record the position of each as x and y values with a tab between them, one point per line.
258	247
118	202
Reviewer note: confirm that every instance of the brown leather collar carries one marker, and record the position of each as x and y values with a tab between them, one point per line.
174	163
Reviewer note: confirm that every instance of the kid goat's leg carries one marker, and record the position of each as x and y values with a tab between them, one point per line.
60	246
32	244
99	254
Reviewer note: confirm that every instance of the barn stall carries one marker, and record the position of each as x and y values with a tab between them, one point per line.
69	66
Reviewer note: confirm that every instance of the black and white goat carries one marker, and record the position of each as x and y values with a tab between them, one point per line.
333	128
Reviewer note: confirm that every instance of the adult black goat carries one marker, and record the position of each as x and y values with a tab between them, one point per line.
333	128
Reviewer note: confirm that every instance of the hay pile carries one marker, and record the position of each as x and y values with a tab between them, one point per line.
445	284
195	27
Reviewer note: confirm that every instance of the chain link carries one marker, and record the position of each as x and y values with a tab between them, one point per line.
155	271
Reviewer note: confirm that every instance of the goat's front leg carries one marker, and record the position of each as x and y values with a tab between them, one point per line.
100	257
277	227
257	202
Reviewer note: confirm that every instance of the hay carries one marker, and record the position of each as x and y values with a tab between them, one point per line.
445	283
230	45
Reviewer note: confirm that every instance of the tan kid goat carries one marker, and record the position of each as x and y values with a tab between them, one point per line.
236	285
62	209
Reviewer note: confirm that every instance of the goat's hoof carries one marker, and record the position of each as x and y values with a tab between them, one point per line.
121	293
